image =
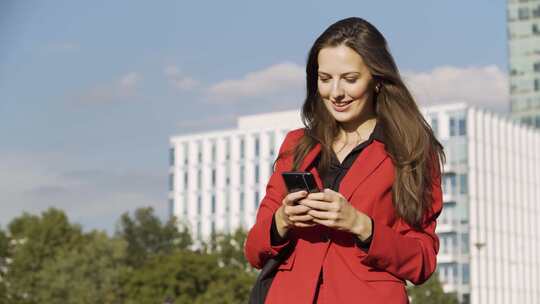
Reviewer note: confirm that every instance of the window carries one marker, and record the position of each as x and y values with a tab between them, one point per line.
227	149
199	228
199	151
213	177
535	29
213	203
465	273
257	145
435	125
186	152
444	273
171	156
199	178
213	151
523	13
465	243
199	204
171	207
272	144
449	183
185	204
448	242
227	201
458	126
256	200
452	127
171	182
536	66
241	174
186	180
242	147
536	11
462	126
463	186
256	173
228	174
453	276
447	214
537	84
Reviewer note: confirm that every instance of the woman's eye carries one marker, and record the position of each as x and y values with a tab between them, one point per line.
324	79
351	80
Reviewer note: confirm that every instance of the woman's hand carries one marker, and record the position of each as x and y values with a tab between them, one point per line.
293	214
331	209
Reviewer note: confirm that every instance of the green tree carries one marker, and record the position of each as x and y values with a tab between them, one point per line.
4	243
146	235
431	292
92	272
4	246
230	249
230	286
188	277
35	240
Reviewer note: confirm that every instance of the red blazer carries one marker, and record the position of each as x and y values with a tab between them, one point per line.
350	275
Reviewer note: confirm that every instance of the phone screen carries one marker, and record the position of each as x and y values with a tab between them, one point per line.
297	181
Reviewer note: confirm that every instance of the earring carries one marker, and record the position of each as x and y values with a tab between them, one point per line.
378	88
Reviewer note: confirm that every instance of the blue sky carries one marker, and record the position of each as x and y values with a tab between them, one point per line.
90	92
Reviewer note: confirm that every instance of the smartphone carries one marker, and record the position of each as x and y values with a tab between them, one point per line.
297	181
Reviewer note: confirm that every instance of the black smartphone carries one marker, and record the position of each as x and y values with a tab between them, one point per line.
297	181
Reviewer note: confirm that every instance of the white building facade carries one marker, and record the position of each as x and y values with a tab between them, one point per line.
217	179
489	238
523	19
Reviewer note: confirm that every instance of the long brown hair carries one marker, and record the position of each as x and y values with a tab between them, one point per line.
409	140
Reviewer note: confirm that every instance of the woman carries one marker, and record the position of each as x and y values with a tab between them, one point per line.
369	147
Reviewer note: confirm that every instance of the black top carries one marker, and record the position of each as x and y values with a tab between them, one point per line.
332	180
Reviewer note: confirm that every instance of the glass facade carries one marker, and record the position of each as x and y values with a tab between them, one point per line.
524	52
171	156
213	203
256	200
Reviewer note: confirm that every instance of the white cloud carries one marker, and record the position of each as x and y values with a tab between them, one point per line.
484	86
179	81
123	88
276	79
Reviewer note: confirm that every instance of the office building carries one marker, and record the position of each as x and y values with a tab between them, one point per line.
489	236
524	57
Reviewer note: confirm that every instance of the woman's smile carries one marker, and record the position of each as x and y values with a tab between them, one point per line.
342	105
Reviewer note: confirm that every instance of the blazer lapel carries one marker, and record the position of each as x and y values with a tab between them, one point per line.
363	166
308	160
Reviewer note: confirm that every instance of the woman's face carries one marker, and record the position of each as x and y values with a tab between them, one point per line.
345	84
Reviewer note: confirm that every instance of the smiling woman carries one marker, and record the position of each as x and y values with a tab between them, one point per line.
367	144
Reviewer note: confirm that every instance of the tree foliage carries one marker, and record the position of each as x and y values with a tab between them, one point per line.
146	235
431	292
4	246
35	240
46	259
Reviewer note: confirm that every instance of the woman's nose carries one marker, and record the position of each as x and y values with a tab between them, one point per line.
337	92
